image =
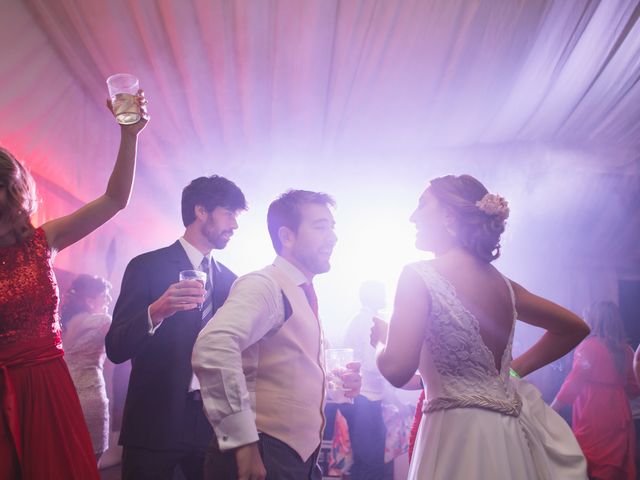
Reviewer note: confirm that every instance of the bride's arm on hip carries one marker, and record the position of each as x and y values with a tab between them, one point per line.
564	330
398	360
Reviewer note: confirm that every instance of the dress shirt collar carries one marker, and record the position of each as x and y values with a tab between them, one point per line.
291	271
195	256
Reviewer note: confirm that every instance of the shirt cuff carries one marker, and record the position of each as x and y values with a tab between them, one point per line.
236	430
152	327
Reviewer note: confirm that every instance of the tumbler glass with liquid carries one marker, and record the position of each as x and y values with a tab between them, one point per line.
336	360
123	89
194	275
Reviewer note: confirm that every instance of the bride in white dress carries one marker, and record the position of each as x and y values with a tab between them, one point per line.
453	320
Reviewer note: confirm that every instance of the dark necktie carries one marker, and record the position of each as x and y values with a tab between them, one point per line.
310	293
207	304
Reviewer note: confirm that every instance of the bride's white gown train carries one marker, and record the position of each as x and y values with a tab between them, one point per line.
481	423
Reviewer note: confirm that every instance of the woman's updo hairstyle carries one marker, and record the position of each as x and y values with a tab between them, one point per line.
480	215
76	299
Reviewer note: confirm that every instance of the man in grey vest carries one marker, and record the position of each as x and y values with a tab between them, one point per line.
260	360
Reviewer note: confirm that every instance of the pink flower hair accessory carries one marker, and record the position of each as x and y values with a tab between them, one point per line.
494	205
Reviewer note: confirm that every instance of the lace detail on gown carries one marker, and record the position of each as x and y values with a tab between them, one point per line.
464	372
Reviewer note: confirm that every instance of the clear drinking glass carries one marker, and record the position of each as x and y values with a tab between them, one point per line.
123	88
194	275
336	360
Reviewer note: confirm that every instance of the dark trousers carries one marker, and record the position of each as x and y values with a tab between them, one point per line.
143	464
148	464
367	434
280	460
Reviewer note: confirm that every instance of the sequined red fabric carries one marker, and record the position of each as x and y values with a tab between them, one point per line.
28	292
42	431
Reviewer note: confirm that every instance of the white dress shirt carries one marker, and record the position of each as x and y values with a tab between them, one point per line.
228	352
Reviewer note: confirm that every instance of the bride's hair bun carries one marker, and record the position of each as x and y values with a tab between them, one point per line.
481	216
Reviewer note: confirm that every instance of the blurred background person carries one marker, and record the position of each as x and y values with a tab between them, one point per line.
378	335
367	430
598	389
85	320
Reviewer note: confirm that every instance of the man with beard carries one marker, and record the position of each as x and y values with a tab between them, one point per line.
155	323
260	360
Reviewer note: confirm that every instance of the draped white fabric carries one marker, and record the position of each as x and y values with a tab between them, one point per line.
538	98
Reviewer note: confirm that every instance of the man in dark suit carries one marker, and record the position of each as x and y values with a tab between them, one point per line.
155	324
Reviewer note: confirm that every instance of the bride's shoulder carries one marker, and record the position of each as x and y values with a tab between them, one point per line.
423	272
424	268
420	265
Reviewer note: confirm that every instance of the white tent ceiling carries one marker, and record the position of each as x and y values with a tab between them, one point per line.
365	99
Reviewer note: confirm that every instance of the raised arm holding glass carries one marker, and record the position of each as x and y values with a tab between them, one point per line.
42	430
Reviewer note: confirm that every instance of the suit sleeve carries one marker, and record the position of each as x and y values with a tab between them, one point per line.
129	330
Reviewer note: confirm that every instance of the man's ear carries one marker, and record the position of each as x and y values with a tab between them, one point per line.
200	212
287	236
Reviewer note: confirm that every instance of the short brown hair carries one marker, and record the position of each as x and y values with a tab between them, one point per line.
285	211
210	192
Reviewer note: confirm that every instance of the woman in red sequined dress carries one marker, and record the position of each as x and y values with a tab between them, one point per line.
42	430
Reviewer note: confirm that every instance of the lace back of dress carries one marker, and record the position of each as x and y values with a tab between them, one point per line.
465	366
